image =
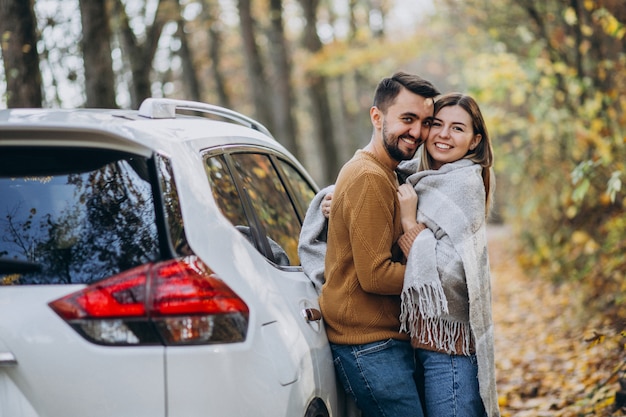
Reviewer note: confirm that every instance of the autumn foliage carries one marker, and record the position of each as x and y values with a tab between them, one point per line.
553	358
554	86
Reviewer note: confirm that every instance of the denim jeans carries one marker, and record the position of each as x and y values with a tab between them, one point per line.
450	385
380	377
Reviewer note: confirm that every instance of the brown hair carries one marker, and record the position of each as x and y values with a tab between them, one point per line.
483	153
389	88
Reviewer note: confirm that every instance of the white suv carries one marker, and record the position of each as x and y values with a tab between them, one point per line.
149	267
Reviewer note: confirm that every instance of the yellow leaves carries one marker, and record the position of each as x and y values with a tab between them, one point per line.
340	58
570	16
580	237
581	240
595	338
6	37
586	30
571	212
10	279
518	97
610	24
554	357
596	125
497	78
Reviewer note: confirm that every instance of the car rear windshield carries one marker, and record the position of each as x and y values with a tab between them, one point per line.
73	215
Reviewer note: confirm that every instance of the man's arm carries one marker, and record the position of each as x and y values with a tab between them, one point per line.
369	209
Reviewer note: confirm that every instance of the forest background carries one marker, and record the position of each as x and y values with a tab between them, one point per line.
550	76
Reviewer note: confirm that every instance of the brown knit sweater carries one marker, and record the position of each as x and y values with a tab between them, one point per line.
364	266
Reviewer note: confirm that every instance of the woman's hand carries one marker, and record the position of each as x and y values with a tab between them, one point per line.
408	206
326	204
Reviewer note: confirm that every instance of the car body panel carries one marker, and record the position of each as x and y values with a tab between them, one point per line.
55	365
284	362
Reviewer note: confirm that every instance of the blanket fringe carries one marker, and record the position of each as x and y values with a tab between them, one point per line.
443	335
428	300
420	317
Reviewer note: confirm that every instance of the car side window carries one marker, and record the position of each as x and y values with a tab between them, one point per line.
271	203
250	193
225	191
171	205
301	188
228	197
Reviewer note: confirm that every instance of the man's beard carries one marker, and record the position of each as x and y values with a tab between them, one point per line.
392	147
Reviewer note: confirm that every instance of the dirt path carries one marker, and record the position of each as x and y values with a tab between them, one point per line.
551	359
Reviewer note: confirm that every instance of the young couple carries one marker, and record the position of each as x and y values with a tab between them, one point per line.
401	264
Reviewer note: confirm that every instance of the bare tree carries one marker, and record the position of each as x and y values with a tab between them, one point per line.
254	63
19	53
96	47
210	13
318	93
140	54
283	97
190	79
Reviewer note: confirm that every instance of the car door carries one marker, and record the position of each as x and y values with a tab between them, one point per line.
266	196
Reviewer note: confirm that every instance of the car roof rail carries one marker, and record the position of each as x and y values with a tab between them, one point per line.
165	108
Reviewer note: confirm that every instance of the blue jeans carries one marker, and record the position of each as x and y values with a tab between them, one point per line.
380	377
450	385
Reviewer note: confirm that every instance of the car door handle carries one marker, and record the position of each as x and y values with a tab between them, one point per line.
7	359
312	314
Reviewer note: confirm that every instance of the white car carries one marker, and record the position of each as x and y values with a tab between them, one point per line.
149	267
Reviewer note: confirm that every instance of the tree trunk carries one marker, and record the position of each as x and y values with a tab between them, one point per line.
210	10
140	56
96	47
18	29
318	93
189	77
280	82
256	69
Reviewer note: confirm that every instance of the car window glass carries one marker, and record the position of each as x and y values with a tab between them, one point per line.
270	201
228	199
73	215
224	190
303	191
171	203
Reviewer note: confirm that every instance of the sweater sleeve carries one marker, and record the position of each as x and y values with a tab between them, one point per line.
406	240
372	215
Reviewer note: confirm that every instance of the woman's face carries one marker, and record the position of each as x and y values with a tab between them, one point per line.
451	136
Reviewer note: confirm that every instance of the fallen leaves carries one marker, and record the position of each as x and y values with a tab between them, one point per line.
553	357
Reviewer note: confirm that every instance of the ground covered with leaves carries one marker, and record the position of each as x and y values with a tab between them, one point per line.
554	356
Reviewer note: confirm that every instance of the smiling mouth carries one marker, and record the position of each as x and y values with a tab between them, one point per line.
442	146
410	141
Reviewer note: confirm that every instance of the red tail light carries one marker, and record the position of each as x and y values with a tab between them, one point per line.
175	302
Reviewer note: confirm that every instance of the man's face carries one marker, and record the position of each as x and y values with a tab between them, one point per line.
405	125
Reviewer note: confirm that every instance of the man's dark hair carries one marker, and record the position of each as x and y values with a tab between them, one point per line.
389	88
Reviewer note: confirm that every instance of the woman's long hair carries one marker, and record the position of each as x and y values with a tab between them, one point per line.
482	154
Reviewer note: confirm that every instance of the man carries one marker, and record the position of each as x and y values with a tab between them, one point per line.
364	267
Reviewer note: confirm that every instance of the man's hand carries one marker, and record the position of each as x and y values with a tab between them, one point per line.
326	204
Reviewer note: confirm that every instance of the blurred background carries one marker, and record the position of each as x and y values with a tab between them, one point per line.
549	75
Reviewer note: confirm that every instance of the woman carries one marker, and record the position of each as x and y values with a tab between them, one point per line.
446	301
